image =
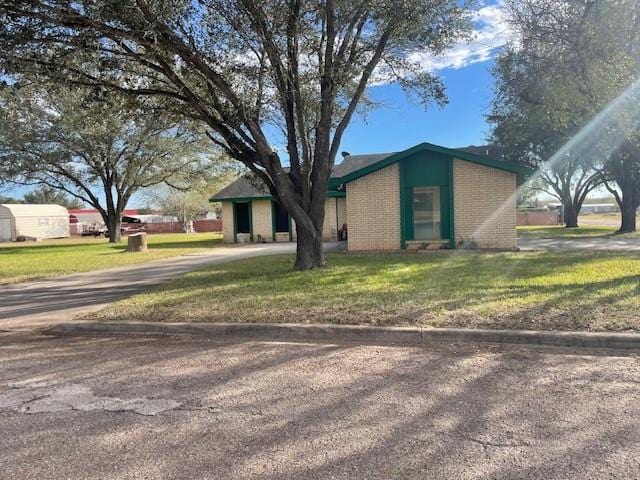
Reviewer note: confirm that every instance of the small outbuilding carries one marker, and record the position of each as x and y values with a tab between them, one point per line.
33	222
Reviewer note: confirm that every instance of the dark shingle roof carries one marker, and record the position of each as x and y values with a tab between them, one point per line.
245	186
355	166
491	151
351	163
248	186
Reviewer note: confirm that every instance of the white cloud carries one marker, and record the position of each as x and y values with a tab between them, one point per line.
491	32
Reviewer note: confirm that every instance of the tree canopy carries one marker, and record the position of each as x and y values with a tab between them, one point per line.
250	70
100	151
44	195
571	59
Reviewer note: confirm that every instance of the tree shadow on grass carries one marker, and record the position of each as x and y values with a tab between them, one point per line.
489	291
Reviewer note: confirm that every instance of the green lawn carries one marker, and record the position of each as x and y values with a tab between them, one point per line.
536	290
27	261
554	231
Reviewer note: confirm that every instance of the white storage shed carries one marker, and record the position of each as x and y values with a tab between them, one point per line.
33	221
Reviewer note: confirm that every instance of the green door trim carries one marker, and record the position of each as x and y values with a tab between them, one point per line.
403	216
447	232
273	221
452	208
235	223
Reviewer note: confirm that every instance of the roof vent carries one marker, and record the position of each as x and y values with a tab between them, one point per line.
345	154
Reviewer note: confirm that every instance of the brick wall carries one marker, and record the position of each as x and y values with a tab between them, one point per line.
373	211
342	211
199	226
227	222
485	205
261	218
210	225
538	218
330	226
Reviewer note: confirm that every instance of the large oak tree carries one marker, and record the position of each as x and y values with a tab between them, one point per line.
100	151
554	89
251	70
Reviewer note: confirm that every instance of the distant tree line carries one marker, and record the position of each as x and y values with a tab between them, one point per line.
96	148
45	195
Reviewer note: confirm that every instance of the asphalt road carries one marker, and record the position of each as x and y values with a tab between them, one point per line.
163	408
36	304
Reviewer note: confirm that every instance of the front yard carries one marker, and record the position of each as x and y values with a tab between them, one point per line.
535	290
27	261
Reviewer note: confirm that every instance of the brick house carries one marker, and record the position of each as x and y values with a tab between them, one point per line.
424	197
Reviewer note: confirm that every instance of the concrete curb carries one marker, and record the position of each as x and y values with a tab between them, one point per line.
354	333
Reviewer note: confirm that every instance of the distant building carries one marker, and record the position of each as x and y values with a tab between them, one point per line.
591	207
90	216
37	222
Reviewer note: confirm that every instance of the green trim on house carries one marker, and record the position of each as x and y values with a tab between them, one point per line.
413	174
241	199
518	169
273	221
330	194
403	217
250	221
235	222
452	207
336	194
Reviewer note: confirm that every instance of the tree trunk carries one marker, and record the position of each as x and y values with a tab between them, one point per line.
113	225
137	243
570	215
628	211
309	252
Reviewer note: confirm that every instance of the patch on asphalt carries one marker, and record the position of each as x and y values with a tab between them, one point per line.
64	398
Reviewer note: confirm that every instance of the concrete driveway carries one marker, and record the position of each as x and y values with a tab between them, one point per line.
162	408
596	243
32	304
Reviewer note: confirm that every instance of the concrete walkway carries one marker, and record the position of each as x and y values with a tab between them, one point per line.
596	243
40	303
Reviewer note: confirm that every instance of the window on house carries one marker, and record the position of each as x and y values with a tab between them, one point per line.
282	218
426	213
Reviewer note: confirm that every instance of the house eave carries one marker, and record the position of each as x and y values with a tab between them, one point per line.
520	170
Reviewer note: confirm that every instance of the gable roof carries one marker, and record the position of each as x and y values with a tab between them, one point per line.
353	167
467	154
246	186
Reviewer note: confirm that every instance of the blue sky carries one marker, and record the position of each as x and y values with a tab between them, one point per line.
466	72
404	123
